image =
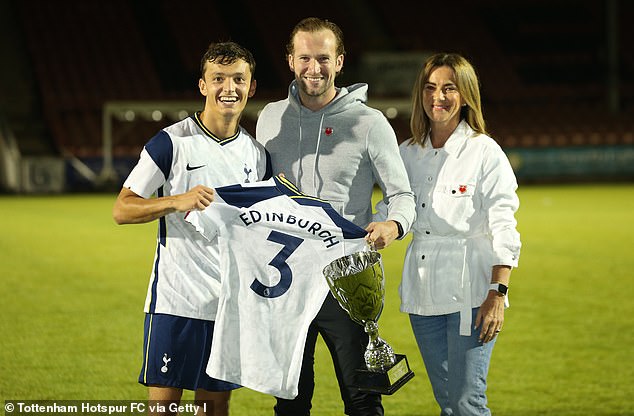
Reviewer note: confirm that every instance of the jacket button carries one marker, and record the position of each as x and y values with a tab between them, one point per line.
422	205
422	257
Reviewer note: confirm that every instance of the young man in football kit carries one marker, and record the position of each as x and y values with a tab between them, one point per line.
180	166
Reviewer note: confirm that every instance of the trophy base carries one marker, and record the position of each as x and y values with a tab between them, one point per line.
388	381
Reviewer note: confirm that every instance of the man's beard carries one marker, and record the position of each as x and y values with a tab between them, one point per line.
311	91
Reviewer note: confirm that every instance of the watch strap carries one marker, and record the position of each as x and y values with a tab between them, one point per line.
400	229
499	287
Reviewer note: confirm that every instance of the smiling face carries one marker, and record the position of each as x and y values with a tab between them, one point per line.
227	87
315	64
441	100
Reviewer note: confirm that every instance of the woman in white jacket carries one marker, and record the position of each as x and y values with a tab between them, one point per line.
465	242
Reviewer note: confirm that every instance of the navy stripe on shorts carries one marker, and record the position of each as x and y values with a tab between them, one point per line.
175	353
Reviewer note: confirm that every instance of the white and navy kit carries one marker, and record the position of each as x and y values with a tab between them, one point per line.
185	278
274	243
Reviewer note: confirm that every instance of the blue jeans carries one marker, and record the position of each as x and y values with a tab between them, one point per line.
456	365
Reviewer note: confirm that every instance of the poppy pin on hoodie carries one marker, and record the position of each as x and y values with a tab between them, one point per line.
462	189
328	131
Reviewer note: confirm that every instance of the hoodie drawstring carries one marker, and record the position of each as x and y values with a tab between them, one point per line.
321	123
299	153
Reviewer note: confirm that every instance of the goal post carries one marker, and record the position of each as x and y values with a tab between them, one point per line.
131	111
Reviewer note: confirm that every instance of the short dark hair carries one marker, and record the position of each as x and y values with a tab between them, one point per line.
226	53
315	24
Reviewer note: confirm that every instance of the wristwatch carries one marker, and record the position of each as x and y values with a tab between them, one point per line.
500	288
400	229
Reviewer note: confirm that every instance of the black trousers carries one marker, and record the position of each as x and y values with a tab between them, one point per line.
346	341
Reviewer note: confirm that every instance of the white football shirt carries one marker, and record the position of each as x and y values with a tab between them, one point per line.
185	278
274	244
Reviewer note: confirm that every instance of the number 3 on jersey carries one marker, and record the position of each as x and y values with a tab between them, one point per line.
290	244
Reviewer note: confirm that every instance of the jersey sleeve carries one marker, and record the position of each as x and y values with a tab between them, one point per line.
212	220
391	175
153	167
229	199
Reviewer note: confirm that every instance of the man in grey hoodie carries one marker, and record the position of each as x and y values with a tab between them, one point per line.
332	145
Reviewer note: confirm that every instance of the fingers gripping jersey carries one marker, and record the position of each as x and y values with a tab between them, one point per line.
274	243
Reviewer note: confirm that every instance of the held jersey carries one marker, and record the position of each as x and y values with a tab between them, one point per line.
274	243
185	277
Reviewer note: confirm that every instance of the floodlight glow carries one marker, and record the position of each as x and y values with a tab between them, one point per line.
157	115
129	115
391	112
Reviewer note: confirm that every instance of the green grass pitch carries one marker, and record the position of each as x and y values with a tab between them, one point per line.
73	284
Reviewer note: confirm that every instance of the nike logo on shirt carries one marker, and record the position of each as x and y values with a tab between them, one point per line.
194	167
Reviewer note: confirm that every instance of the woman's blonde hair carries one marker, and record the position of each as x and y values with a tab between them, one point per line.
468	87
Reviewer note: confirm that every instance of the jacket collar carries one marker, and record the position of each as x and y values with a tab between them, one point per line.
455	143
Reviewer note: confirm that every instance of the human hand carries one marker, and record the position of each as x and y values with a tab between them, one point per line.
490	317
196	199
381	234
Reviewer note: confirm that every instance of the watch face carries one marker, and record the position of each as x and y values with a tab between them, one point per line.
499	287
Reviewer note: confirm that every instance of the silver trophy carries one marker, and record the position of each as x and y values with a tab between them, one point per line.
357	282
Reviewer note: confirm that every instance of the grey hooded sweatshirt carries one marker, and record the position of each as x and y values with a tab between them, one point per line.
338	153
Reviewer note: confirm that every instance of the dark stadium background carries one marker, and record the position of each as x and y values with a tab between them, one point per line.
557	76
558	91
